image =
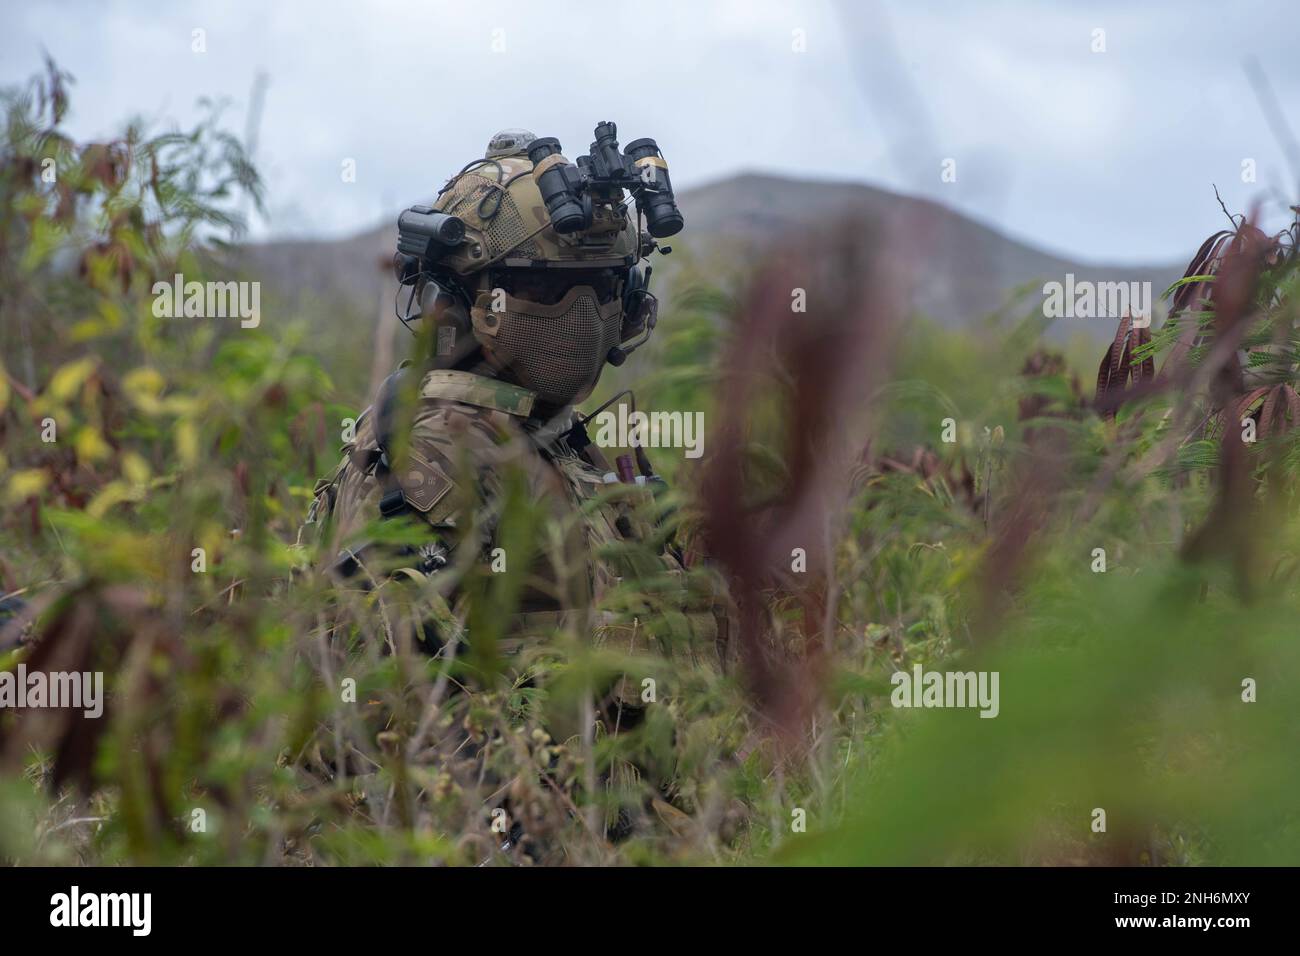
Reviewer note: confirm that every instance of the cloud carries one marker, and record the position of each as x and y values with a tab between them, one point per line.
1103	155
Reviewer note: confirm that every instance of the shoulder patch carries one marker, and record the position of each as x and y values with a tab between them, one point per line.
423	484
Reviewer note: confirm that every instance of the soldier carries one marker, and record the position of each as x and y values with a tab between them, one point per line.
521	304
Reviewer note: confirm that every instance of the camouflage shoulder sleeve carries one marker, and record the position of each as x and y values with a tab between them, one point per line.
445	459
452	445
336	508
464	427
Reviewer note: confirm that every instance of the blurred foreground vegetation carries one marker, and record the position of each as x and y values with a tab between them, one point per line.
1120	689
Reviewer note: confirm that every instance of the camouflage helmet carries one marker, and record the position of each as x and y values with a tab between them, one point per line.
507	225
554	344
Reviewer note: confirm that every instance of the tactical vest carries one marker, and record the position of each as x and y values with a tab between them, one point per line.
457	409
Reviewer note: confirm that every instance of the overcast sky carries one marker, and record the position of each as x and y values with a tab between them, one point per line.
1107	156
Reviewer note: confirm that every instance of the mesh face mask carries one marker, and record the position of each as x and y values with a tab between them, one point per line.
555	350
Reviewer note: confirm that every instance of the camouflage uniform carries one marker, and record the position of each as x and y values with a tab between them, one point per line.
468	429
443	464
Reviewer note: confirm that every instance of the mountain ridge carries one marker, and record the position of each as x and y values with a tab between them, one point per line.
962	269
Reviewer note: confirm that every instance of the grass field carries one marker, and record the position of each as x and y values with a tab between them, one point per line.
879	494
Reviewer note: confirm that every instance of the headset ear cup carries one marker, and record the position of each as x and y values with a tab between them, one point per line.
453	339
639	303
640	311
